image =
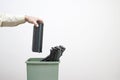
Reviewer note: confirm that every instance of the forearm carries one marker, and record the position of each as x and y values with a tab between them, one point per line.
10	20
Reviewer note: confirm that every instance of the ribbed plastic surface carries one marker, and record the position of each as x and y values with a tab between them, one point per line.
37	38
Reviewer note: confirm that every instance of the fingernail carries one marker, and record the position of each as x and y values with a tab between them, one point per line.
37	25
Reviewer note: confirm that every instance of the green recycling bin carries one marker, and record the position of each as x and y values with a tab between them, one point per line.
42	70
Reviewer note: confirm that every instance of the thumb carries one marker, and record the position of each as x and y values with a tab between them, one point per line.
35	24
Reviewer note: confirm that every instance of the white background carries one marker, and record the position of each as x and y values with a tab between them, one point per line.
89	29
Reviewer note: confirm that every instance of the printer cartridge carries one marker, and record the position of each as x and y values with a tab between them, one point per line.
37	38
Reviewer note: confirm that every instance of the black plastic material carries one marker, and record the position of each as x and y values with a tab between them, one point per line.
37	38
55	53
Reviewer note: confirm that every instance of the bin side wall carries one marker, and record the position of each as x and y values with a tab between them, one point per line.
42	72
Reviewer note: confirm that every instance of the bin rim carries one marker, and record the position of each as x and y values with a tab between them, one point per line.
38	61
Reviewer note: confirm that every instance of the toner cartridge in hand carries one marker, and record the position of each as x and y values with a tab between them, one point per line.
37	38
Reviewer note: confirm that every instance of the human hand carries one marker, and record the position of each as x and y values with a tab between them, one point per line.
33	20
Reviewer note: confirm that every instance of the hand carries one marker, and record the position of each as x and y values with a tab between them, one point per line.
33	20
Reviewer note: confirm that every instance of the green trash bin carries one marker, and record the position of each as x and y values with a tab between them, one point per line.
41	70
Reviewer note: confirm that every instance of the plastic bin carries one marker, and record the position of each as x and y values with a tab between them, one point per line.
41	70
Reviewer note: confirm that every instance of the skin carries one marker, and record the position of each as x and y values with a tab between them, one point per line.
33	20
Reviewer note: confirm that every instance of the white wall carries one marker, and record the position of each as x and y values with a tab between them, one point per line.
89	29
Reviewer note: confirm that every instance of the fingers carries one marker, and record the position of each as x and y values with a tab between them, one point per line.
39	21
35	23
33	20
